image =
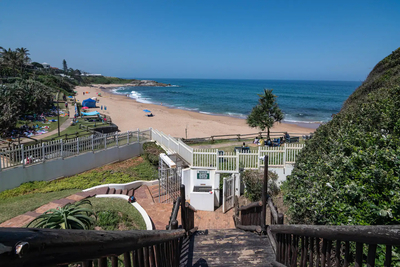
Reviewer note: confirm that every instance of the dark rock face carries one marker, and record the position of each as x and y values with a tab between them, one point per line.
147	83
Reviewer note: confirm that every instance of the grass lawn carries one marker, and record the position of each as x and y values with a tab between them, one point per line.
117	214
52	125
72	130
32	195
14	206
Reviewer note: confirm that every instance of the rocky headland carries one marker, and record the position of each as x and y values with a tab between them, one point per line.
147	83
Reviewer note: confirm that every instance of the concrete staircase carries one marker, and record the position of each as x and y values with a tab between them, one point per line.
227	247
108	190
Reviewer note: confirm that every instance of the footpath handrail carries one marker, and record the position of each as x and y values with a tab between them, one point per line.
39	153
317	248
44	247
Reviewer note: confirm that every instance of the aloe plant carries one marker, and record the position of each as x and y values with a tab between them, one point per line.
71	216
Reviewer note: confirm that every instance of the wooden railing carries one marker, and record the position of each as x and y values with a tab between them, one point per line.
49	247
173	222
334	245
253	216
187	214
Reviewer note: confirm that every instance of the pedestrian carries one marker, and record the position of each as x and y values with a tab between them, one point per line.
101	107
66	104
105	108
68	113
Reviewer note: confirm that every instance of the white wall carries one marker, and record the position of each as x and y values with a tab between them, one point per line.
282	173
52	169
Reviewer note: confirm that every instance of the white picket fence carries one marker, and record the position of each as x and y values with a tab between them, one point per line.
39	153
173	145
220	160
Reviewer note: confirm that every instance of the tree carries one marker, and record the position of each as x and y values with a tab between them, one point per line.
15	59
266	113
20	98
65	67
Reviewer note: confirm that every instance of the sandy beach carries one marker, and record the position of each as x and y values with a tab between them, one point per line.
128	114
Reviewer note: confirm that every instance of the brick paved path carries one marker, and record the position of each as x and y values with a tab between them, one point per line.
158	212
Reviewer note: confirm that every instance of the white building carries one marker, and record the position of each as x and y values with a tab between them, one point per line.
46	65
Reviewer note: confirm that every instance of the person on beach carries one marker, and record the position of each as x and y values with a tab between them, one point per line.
261	141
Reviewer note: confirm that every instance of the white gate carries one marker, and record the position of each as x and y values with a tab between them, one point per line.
228	193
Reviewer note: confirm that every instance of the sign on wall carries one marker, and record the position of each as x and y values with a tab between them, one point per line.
203	175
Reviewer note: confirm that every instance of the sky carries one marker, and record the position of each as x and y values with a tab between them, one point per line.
218	39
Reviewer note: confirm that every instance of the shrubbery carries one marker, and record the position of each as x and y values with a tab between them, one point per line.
151	152
349	172
253	181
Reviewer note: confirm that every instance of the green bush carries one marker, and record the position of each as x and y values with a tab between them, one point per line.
71	216
151	152
253	182
349	172
108	219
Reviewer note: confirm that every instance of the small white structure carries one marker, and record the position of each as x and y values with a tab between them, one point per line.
202	188
90	74
46	65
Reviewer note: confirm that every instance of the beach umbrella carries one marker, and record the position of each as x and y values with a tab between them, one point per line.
146	110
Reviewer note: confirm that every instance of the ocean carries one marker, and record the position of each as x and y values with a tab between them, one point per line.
301	101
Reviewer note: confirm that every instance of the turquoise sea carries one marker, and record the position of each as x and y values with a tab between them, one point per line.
301	101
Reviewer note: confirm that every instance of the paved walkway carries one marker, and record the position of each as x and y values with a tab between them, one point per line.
158	212
24	219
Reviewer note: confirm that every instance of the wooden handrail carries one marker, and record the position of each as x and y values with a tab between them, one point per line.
251	205
274	212
174	214
44	247
377	234
187	205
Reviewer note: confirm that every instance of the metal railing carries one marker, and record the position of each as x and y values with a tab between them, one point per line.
39	153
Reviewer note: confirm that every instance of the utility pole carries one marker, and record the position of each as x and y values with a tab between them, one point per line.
58	113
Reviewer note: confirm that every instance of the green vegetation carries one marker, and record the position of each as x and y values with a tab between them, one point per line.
265	113
32	195
105	80
52	125
348	173
143	170
253	181
151	151
71	216
11	206
117	214
21	98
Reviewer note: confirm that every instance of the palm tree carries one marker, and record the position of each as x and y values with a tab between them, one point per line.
15	59
24	59
71	216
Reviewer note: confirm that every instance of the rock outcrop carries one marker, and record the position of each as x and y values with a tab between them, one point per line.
147	83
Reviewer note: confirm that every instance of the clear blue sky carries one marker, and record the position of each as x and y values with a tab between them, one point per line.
249	39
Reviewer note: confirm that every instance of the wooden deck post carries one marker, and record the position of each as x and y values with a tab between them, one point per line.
183	208
264	194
